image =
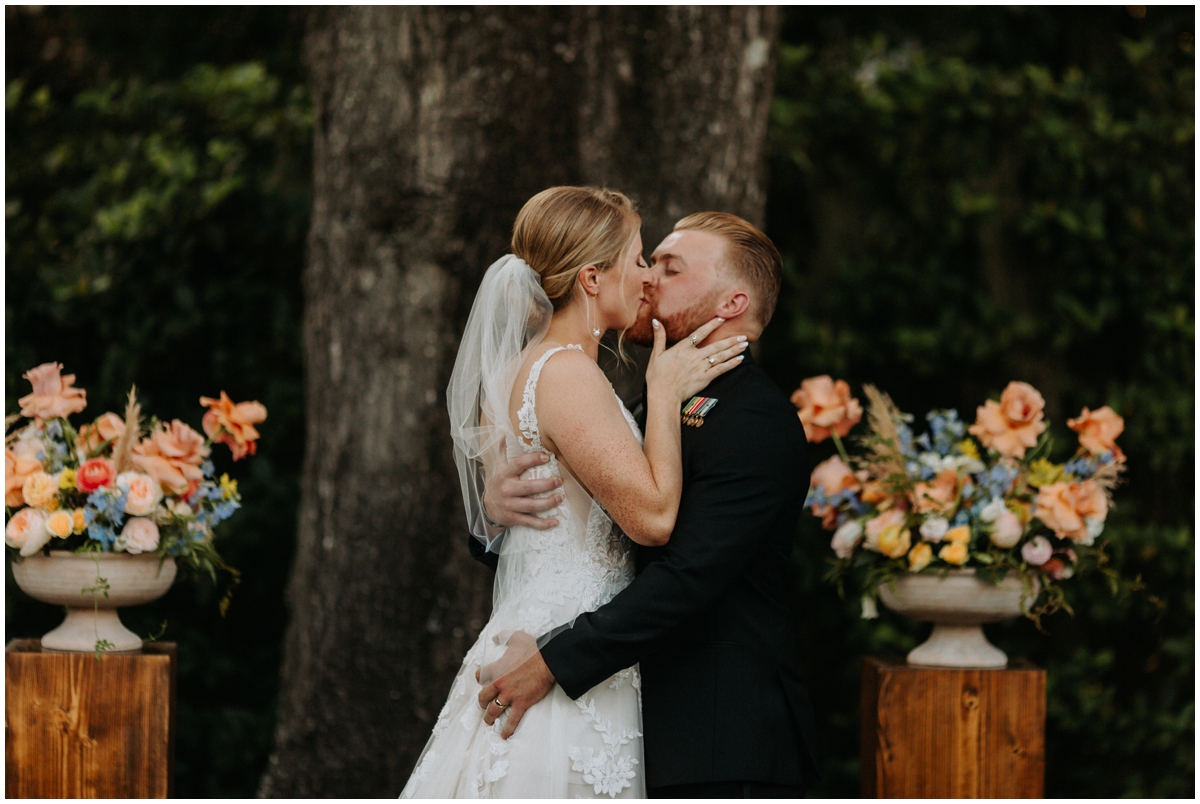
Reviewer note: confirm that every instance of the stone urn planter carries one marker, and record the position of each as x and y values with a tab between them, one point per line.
59	579
957	605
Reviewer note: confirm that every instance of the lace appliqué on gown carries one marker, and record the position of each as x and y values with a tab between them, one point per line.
563	749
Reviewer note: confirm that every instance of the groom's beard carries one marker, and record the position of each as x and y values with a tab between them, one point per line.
678	326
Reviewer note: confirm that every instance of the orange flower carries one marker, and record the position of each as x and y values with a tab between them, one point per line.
16	471
1013	425
1065	508
1098	431
938	497
892	519
826	406
832	476
233	425
52	397
106	428
172	455
95	473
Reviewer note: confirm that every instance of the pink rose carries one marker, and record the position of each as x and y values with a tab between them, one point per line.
172	455
95	473
52	397
1098	430
1037	551
1013	425
826	406
140	535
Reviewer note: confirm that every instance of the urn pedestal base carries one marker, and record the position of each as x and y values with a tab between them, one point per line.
952	732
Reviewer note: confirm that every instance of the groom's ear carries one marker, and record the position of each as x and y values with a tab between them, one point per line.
733	304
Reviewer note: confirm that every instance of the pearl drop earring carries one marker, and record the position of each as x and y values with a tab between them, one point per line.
588	312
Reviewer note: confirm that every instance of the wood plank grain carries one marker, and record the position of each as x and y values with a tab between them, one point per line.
952	733
76	727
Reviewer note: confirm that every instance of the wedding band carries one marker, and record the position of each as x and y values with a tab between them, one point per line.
692	338
497	703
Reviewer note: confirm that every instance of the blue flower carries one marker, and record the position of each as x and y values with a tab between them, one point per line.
207	468
947	430
102	533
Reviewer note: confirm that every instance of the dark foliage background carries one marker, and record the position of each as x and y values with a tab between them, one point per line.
962	196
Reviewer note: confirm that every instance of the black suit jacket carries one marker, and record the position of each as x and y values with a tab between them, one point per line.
708	615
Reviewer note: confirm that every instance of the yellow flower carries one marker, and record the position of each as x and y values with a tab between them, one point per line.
919	557
1044	473
959	535
228	487
39	489
78	523
66	479
955	553
60	524
894	541
967	447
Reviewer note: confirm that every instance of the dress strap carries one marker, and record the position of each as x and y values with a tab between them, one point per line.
527	415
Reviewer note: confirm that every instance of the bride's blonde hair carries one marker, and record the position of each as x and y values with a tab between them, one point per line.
563	229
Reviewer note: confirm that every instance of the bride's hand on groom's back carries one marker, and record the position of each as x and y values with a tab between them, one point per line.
685	369
510	501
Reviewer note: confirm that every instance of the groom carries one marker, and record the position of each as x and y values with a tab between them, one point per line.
708	615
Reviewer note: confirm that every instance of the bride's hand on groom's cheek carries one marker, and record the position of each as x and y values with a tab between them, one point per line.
509	500
517	691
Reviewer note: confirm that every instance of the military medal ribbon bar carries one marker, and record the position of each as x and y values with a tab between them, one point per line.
695	409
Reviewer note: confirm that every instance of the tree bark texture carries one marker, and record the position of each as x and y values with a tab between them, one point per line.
433	126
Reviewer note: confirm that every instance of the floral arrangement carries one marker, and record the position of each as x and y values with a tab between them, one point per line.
115	486
984	496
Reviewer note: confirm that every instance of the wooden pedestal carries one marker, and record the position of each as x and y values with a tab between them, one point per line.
952	733
80	728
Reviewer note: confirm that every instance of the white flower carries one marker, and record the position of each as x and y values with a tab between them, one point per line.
1094	528
1007	530
845	538
934	528
27	531
1037	551
963	463
869	611
992	510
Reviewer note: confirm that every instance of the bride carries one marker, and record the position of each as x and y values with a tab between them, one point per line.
526	380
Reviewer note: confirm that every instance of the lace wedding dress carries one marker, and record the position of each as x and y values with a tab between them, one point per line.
587	748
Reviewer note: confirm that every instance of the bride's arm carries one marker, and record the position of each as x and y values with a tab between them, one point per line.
580	419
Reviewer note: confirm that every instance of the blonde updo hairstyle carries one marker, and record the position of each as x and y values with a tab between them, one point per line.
564	229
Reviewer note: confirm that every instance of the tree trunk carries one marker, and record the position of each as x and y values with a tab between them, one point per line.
433	126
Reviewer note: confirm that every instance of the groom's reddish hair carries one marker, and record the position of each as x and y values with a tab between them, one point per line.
751	257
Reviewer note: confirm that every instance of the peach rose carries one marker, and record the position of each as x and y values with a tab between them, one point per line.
1012	425
39	489
16	471
172	455
834	476
1098	430
106	428
919	557
94	474
26	531
826	406
954	553
233	425
892	518
140	535
53	396
938	497
142	492
1066	509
